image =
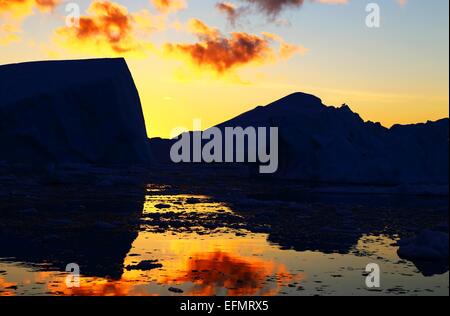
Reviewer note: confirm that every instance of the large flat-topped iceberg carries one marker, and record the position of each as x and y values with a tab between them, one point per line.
83	111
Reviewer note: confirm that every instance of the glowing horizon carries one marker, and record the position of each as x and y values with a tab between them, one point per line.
213	60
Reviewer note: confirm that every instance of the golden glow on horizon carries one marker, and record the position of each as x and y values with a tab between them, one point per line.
190	84
170	102
202	267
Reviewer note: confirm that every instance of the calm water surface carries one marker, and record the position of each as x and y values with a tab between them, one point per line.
205	245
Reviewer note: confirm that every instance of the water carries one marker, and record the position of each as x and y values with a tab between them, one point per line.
220	242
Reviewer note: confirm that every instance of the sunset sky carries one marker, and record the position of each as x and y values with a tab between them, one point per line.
213	59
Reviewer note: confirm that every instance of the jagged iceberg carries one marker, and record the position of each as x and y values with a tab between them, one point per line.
326	144
428	245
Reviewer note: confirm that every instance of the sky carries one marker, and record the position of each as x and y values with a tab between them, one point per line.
214	59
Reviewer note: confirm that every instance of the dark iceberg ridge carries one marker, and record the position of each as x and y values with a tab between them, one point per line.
86	114
71	112
333	145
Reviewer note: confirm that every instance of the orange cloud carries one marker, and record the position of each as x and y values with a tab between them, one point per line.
47	4
9	32
109	29
216	52
13	12
223	54
286	50
202	30
168	6
26	6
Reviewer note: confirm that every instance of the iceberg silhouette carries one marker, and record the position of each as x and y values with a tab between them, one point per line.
80	112
325	144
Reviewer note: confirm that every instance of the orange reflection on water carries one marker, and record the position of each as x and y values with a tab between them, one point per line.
94	286
206	274
6	288
211	272
183	203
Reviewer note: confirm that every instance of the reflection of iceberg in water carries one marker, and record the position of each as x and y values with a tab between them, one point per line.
97	253
431	268
208	243
93	230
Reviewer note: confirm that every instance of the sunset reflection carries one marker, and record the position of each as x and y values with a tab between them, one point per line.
6	288
98	287
211	272
182	203
216	273
194	245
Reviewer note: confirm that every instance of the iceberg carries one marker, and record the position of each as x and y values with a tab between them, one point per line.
334	145
71	112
